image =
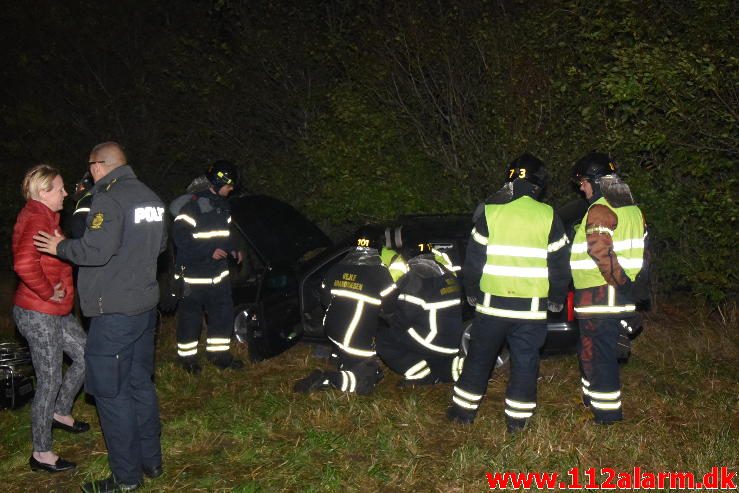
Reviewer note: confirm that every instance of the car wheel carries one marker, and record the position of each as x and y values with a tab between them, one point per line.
247	331
504	357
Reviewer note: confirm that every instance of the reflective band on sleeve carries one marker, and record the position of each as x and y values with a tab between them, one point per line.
189	220
81	209
599	230
559	244
206	235
516	251
482	240
508	271
388	290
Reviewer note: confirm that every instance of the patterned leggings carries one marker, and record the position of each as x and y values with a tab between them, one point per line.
49	337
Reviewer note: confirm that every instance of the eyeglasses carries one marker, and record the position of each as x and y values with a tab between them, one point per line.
90	163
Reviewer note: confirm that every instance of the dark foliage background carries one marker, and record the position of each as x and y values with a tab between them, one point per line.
360	110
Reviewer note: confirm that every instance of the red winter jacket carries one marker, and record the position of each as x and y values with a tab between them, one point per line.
39	272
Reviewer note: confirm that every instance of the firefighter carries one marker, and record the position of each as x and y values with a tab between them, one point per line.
83	198
607	255
421	341
353	290
515	268
202	239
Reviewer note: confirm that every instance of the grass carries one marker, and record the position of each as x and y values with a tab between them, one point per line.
247	432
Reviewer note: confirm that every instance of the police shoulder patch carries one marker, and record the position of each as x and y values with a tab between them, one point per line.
97	221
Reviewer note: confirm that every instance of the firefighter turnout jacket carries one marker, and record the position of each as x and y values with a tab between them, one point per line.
201	225
354	289
117	254
517	260
425	318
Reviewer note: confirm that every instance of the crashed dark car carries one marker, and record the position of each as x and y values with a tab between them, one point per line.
276	290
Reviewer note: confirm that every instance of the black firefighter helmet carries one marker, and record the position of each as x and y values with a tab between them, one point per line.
222	173
593	166
528	175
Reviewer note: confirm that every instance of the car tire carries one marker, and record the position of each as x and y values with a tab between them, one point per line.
247	331
504	356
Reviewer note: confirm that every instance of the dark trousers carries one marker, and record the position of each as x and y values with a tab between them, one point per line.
598	354
487	336
120	370
402	354
215	300
357	374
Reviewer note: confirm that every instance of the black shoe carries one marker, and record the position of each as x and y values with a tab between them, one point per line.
315	381
606	422
456	415
226	362
59	466
190	365
108	485
514	427
77	426
153	472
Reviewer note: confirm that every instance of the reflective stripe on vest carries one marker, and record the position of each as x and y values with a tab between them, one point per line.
517	245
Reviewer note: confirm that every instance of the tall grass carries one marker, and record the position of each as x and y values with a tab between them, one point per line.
246	431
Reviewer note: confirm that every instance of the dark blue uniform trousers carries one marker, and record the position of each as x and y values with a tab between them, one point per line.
213	299
487	336
400	352
598	353
120	370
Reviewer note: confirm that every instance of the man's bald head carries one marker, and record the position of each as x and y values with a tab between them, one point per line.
104	158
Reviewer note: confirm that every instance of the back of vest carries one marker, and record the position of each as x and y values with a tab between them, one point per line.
518	237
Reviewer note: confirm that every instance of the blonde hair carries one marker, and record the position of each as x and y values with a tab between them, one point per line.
37	179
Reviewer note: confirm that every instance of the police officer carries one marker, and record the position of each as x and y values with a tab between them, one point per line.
118	289
607	255
421	341
515	267
353	290
202	238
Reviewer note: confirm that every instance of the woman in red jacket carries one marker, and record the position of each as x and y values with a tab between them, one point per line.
42	312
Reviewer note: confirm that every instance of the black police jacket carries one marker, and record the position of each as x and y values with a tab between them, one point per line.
118	253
